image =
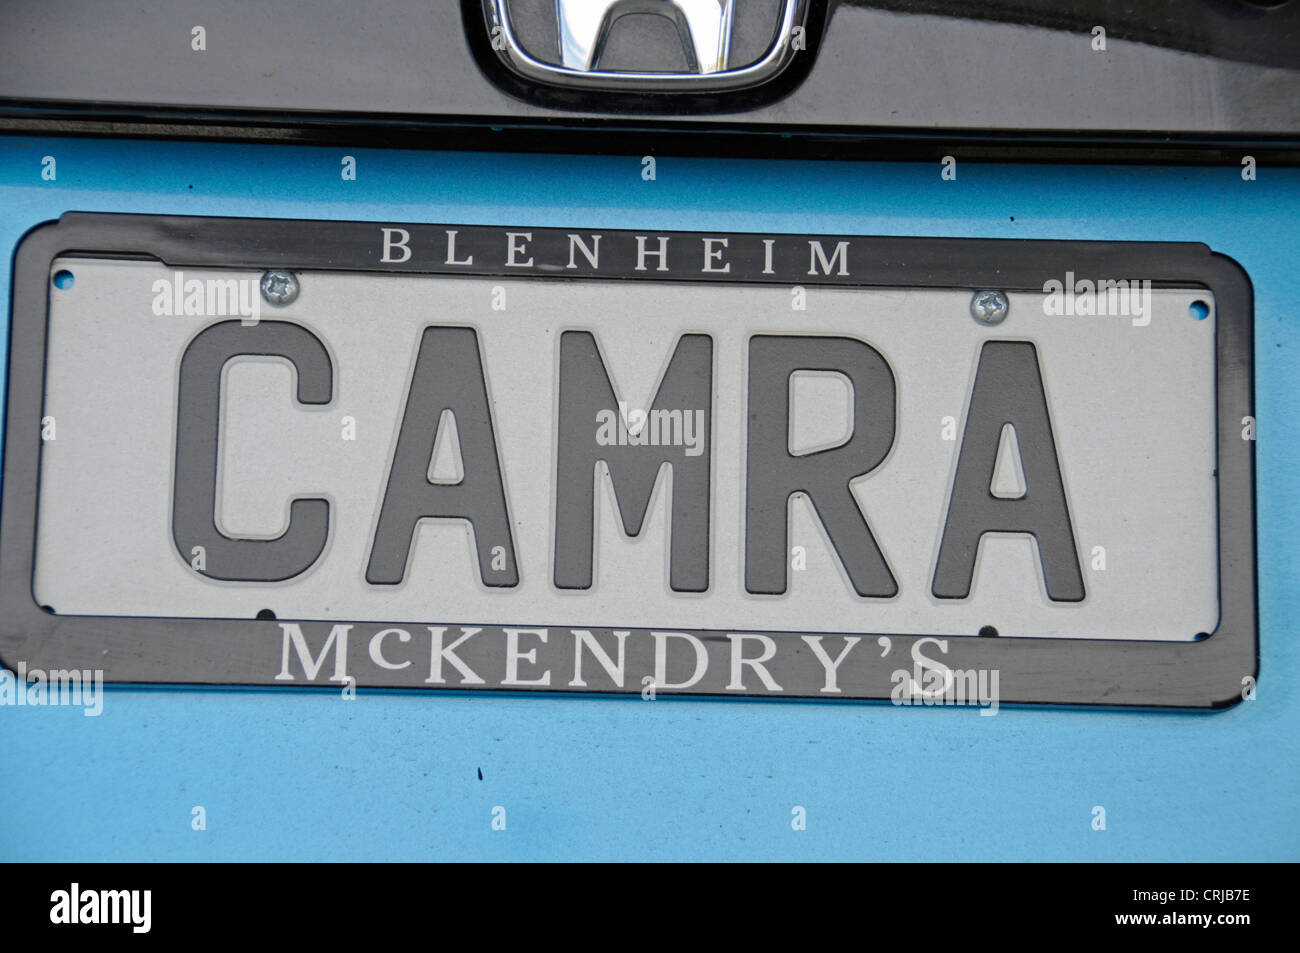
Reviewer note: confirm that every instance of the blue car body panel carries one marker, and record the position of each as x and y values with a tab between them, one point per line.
307	775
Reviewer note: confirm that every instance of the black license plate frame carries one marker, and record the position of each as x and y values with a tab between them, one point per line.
1212	673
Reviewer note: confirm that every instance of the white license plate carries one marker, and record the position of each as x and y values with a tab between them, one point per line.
1131	433
541	449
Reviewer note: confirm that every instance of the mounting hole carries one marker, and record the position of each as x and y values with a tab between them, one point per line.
1201	636
49	609
265	615
1198	309
64	279
988	632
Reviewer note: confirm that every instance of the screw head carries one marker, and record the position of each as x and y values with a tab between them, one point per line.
989	307
279	288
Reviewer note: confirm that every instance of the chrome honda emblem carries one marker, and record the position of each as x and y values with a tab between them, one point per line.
705	27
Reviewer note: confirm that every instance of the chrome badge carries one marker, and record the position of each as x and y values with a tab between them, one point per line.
705	27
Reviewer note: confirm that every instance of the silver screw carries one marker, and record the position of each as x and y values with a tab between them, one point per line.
989	307
279	288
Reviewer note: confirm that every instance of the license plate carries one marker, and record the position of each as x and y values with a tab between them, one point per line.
520	458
